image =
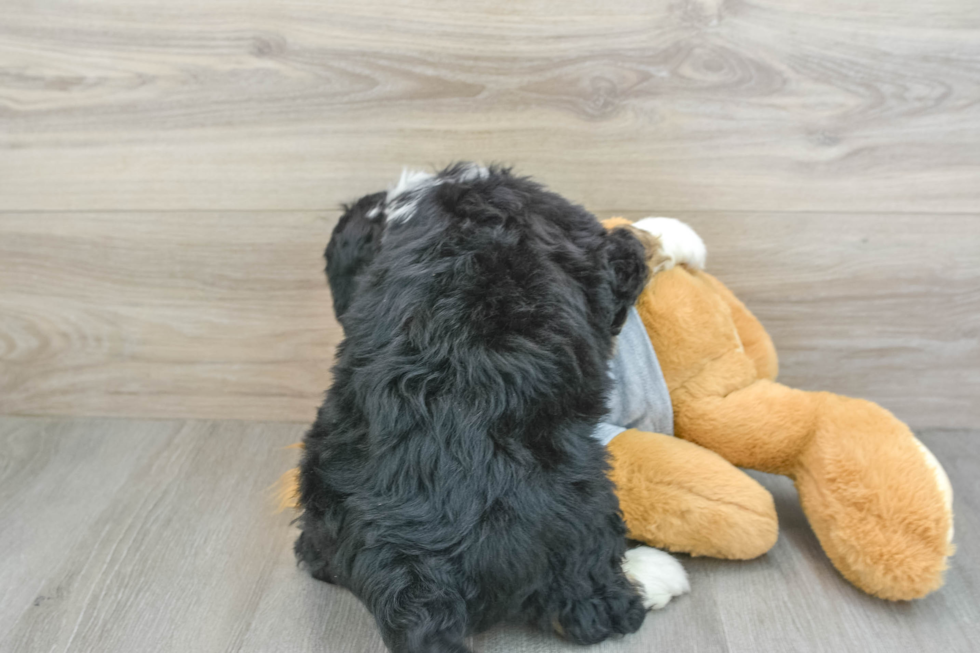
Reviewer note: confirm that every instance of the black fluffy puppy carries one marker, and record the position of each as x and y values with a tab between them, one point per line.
450	479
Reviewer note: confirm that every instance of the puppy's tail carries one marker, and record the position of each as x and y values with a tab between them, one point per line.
286	489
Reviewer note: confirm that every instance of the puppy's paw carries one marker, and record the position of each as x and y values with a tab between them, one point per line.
680	243
616	609
657	573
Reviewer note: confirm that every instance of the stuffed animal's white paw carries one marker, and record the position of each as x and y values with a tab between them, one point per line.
680	243
942	482
658	574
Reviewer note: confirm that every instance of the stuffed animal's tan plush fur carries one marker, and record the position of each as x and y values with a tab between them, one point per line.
877	499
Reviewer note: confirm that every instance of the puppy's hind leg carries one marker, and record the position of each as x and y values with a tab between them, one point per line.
613	607
590	598
313	558
415	611
598	592
417	625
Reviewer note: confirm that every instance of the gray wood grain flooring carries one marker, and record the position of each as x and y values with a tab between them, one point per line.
122	535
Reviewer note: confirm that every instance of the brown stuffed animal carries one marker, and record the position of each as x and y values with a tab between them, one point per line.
877	499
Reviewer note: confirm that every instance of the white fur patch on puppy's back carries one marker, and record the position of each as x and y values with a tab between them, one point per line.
680	243
658	574
402	200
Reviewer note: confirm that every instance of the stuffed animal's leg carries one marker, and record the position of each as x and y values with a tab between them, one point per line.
678	496
877	500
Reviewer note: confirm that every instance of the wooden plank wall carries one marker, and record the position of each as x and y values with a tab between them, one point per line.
170	171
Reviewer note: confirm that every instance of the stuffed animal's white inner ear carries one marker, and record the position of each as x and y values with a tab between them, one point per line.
680	243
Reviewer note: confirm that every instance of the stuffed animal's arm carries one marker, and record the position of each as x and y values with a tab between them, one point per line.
756	341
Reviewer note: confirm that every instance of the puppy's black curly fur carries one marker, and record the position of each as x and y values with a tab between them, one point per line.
450	479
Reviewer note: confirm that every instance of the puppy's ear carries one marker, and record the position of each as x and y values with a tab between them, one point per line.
629	271
352	247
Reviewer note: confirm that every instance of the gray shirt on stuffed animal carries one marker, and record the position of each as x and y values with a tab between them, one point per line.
639	398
